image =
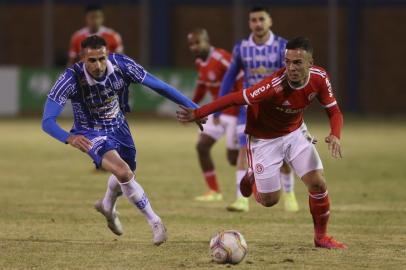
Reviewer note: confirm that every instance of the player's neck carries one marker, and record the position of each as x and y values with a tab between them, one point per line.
260	40
93	30
299	84
204	55
99	79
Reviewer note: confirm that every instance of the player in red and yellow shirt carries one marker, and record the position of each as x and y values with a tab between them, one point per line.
275	115
211	64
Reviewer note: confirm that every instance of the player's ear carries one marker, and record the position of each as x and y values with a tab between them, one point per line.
82	54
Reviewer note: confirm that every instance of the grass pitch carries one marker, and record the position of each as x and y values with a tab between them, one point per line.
48	189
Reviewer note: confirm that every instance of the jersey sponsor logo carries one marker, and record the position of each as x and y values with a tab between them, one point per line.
259	168
311	96
260	90
329	88
288	110
278	88
263	58
260	71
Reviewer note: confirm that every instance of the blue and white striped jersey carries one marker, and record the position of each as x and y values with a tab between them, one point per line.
95	103
259	61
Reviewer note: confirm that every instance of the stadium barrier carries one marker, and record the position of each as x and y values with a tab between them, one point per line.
24	90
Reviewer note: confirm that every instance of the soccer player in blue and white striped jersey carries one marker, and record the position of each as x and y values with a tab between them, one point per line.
100	129
258	56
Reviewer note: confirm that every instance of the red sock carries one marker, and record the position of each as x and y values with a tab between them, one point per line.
211	180
320	209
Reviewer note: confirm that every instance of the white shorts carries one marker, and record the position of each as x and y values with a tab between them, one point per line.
266	156
227	127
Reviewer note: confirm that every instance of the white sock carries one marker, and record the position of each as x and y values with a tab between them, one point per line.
288	182
239	174
136	195
112	192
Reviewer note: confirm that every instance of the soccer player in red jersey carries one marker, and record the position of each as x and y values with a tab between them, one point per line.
211	64
275	115
94	26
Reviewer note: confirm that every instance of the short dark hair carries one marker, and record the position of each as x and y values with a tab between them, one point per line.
300	43
93	42
93	7
259	9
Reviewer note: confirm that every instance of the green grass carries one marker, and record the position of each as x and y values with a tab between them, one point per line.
47	191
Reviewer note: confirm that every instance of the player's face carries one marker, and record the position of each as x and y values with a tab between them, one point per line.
95	61
298	63
198	45
260	22
94	19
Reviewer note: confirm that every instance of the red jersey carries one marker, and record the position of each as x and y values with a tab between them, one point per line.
210	75
113	40
276	107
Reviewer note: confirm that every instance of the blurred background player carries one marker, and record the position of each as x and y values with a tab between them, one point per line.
94	19
258	56
100	128
211	64
275	132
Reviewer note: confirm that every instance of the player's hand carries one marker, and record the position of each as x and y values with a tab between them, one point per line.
185	114
334	146
216	120
80	142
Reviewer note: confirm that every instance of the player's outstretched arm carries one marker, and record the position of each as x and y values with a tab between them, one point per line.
168	91
171	93
189	115
51	112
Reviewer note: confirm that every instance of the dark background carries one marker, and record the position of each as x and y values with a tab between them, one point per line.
361	43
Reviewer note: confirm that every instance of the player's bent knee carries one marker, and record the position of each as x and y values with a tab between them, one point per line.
269	202
123	173
315	181
269	199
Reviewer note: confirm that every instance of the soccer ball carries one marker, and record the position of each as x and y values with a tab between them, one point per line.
228	247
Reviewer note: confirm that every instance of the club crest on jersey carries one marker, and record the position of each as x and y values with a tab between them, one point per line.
278	88
259	168
118	84
211	75
311	96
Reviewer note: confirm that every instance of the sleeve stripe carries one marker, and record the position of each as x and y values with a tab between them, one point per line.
331	104
144	76
225	62
244	93
55	91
